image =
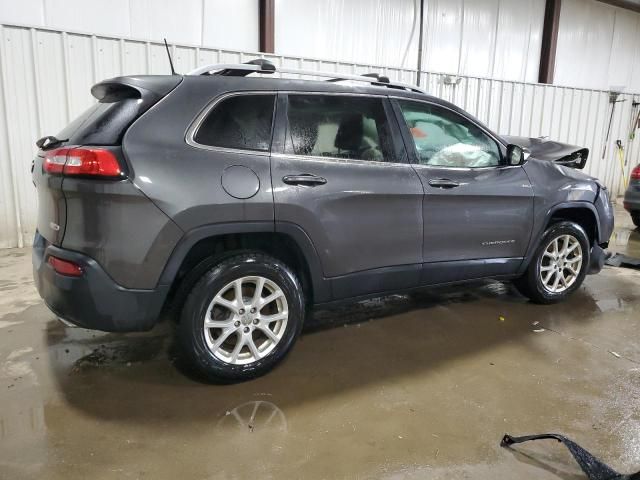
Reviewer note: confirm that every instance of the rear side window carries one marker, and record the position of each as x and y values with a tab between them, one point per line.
104	123
339	126
240	122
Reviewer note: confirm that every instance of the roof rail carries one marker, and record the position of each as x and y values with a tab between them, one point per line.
263	66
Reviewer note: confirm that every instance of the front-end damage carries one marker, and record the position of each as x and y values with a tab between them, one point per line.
544	149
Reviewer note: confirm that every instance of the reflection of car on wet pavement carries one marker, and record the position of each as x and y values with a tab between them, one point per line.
288	193
632	196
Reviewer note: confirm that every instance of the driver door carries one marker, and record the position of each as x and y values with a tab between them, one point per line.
477	211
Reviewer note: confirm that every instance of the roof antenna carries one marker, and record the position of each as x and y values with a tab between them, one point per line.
173	70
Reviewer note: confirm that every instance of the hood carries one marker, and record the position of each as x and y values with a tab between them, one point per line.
545	149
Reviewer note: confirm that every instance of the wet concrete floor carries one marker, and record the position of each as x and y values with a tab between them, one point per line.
400	387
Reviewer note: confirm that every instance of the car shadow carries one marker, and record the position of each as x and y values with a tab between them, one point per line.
138	378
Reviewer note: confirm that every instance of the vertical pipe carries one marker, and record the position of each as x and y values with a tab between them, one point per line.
420	40
501	83
67	74
35	70
12	172
595	135
513	91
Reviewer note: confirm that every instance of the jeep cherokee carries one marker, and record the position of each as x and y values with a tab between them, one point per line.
238	199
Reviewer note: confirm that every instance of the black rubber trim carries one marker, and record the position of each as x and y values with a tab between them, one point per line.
535	242
93	300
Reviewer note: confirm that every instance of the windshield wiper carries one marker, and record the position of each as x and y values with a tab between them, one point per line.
49	142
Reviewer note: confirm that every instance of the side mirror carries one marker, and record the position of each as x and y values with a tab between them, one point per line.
516	155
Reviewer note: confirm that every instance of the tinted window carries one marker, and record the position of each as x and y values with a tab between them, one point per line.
339	126
242	122
444	138
104	123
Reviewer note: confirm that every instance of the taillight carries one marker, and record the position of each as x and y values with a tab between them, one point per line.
95	162
635	173
65	267
54	160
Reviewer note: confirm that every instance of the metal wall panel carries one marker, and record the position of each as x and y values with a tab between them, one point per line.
598	46
383	32
45	77
199	22
484	38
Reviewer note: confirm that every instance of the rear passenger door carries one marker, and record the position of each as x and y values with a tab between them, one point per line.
340	173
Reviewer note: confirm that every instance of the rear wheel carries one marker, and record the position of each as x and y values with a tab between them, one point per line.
635	217
559	265
241	318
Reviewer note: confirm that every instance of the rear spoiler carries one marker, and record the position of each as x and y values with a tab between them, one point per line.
150	88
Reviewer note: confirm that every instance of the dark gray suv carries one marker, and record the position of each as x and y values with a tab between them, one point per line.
238	200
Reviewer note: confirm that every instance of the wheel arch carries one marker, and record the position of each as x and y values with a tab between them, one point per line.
204	246
583	213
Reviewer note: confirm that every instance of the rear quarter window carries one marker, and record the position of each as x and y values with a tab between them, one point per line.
241	122
104	123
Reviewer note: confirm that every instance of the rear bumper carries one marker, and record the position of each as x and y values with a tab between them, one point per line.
93	300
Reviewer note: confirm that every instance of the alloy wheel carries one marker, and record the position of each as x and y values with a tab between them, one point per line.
560	263
245	320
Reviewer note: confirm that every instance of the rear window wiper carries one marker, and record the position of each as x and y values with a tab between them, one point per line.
49	141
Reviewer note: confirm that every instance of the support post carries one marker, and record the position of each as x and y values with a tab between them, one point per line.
266	27
549	41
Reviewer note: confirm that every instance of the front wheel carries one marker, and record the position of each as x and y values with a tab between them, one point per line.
241	318
559	265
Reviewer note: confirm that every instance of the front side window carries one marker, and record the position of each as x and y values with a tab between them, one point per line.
446	139
240	122
339	126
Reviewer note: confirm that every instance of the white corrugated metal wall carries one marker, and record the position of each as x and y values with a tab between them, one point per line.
598	46
224	23
46	76
487	38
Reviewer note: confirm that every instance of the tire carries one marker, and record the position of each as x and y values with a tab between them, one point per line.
635	217
218	359
532	284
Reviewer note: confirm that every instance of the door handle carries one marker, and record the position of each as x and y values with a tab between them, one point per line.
443	183
304	179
